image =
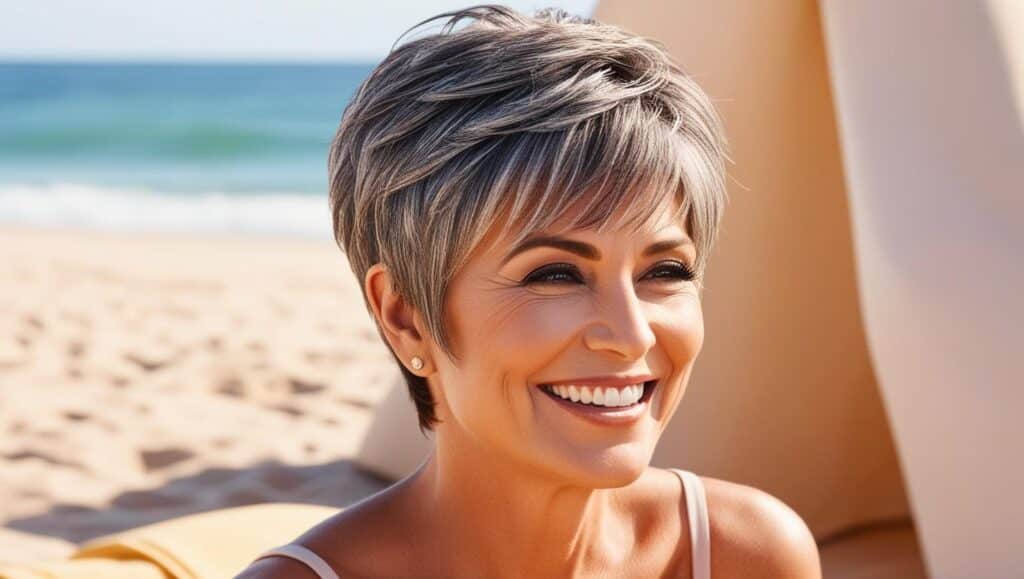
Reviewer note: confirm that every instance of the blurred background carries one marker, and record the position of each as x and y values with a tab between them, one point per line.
180	334
184	116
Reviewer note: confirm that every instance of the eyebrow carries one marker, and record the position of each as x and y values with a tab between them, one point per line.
587	250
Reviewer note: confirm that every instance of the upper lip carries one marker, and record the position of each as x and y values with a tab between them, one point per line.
613	381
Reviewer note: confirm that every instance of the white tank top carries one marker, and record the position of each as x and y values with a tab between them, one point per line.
696	511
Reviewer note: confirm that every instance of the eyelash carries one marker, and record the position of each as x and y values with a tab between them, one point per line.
678	270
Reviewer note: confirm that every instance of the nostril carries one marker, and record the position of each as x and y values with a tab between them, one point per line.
631	337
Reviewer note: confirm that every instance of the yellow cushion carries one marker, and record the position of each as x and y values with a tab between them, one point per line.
206	545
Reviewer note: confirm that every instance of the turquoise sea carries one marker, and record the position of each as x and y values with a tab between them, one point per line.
170	146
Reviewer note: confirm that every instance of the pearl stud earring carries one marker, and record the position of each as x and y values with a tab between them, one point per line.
417	363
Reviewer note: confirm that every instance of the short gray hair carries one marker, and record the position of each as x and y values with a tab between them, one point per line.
513	120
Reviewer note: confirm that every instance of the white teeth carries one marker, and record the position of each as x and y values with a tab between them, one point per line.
628	396
611	397
599	396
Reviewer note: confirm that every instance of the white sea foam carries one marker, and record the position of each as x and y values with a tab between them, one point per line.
77	205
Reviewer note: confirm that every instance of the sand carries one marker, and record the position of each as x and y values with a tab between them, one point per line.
149	376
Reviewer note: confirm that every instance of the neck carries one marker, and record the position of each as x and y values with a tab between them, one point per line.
494	517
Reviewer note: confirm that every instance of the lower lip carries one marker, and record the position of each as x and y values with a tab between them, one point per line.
603	415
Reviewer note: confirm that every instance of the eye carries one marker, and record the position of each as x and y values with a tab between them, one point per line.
673	270
554	273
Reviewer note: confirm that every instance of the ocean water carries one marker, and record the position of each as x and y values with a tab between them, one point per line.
162	146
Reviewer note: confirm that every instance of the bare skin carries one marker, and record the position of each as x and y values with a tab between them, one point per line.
517	486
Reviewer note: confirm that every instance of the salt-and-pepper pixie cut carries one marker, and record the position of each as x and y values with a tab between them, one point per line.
511	121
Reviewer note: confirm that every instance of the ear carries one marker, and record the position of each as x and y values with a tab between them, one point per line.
399	321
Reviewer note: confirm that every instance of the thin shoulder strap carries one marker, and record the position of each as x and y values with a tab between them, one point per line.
700	529
304	555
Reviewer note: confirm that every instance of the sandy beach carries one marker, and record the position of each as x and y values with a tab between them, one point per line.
149	376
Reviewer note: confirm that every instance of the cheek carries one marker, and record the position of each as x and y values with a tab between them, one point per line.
502	345
679	326
522	333
680	331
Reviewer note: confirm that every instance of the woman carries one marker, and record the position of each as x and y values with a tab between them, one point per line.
530	203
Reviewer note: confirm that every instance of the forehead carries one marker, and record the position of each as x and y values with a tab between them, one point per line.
630	222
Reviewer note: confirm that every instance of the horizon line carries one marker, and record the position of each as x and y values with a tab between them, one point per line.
172	60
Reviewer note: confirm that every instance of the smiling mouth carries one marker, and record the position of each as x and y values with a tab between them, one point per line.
599	397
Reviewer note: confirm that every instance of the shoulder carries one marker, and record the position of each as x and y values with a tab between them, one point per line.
351	543
754	534
358	541
276	567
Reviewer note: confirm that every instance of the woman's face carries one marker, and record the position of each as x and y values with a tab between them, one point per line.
575	308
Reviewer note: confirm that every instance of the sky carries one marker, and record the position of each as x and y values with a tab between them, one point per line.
299	30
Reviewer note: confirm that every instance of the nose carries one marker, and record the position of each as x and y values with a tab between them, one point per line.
621	326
